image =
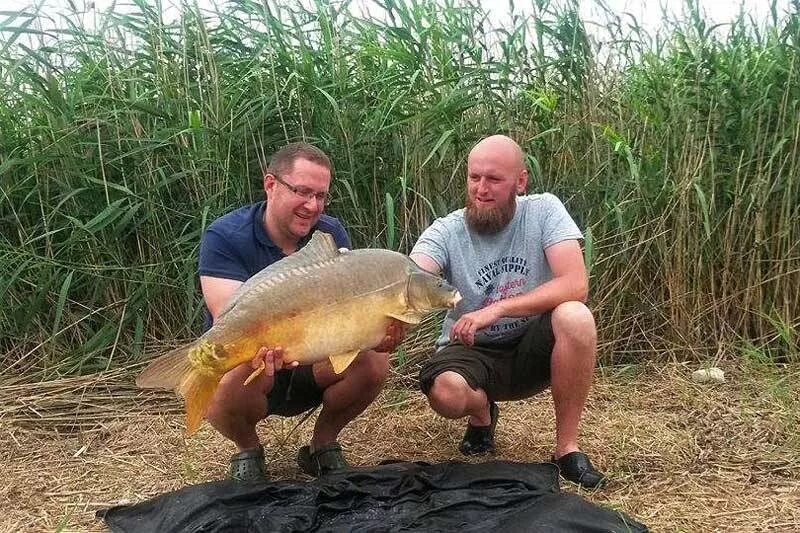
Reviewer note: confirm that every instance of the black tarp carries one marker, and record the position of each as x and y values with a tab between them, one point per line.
453	496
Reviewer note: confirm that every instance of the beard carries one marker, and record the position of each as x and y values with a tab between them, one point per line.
489	220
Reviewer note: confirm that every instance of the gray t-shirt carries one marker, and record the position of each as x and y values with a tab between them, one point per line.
489	268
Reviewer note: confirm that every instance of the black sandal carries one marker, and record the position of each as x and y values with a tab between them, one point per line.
479	440
324	460
576	467
249	466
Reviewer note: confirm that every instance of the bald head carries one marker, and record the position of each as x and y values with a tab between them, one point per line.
502	150
495	175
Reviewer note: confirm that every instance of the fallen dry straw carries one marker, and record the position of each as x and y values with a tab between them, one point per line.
683	456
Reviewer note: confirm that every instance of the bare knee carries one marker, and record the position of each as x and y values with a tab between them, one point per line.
574	322
372	368
233	399
447	395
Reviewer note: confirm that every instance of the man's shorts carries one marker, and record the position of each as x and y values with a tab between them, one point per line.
294	391
510	371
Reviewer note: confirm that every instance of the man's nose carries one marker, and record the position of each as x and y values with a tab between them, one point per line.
313	204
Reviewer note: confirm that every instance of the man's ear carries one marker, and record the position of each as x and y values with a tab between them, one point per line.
522	182
268	183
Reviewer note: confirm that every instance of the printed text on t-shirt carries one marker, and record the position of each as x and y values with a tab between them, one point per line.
517	265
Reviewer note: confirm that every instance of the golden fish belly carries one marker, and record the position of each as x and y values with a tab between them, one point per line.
308	337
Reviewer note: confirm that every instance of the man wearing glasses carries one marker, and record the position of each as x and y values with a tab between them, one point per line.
237	246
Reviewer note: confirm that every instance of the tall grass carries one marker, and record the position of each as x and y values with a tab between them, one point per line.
677	153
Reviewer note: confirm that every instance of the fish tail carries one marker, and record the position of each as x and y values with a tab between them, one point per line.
168	371
197	391
175	370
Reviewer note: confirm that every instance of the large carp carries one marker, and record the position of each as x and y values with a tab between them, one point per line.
317	303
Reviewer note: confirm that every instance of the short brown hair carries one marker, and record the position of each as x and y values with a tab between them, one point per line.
283	160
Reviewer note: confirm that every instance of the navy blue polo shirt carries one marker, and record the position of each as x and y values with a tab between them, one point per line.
236	245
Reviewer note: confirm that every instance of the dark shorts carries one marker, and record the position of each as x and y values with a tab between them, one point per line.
293	392
510	371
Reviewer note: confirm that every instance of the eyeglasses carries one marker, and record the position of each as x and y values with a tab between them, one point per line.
304	192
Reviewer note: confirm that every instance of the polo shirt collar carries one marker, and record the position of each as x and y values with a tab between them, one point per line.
264	238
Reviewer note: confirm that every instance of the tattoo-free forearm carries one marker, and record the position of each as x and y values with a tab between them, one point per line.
545	297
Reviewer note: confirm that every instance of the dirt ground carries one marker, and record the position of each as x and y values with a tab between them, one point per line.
682	456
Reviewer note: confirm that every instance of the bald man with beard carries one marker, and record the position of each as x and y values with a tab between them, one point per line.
522	325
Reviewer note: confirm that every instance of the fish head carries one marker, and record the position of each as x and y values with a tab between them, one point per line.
426	291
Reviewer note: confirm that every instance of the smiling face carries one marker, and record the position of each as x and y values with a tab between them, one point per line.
296	200
495	175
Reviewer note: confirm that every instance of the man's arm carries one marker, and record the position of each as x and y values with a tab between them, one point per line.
426	263
569	283
217	292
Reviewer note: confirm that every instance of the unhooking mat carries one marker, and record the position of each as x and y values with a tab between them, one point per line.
453	496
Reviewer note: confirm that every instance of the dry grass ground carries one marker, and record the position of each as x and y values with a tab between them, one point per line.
683	456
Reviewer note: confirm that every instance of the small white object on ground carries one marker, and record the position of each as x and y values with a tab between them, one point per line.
708	375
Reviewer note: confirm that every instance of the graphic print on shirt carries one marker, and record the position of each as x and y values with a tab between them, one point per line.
498	280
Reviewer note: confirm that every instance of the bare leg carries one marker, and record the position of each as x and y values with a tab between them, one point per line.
347	394
571	366
236	408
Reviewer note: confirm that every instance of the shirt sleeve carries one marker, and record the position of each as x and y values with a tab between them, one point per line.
557	224
219	258
433	243
340	236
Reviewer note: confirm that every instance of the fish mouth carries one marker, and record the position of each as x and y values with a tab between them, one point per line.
456	298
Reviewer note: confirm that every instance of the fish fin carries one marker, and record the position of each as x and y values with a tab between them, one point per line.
254	374
409	317
321	247
197	390
342	361
167	371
